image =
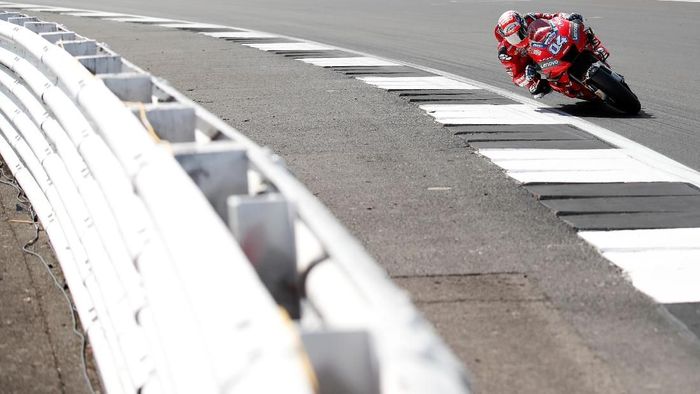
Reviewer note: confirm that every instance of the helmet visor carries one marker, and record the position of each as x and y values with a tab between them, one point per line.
516	38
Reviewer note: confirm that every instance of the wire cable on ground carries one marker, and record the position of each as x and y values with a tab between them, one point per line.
9	181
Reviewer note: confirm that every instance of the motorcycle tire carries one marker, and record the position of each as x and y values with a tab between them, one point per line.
619	95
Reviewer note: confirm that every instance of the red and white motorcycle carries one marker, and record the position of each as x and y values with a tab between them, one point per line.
567	61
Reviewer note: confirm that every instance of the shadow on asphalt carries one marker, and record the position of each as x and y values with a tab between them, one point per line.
587	109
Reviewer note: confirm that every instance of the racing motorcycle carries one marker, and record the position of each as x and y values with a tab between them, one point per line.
564	57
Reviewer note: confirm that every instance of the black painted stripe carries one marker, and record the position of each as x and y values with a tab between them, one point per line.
446	92
295	54
439	97
566	144
624	204
550	136
256	40
688	313
476	96
633	221
557	136
547	144
477	93
494	101
380	70
200	29
639	189
525	128
143	21
383	73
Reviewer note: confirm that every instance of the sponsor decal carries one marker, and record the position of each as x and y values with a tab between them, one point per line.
550	38
549	63
535	52
556	46
510	28
537	45
574	31
504	57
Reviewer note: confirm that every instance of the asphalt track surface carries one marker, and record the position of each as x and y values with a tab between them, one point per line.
525	303
653	43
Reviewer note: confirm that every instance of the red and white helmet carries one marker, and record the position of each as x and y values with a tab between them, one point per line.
512	27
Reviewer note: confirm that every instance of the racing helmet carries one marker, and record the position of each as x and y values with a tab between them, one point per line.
512	27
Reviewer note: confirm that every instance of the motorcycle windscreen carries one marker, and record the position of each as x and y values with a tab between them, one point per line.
539	30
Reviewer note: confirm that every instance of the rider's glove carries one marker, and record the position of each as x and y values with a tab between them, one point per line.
531	73
575	17
503	55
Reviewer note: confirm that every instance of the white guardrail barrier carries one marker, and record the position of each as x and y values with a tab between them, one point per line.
196	261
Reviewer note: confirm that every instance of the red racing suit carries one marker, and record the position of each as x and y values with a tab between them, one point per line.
515	59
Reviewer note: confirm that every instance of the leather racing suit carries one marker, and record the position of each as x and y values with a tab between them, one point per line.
516	60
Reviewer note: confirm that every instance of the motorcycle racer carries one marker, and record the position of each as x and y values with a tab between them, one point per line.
511	34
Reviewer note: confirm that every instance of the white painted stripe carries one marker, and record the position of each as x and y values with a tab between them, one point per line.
20	6
470	108
95	14
642	175
416	83
143	19
239	34
625	163
636	240
290	46
191	25
490	114
348	61
655	259
552	154
488	118
54	9
668	276
667	286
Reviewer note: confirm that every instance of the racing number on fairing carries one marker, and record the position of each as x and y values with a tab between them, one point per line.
555	47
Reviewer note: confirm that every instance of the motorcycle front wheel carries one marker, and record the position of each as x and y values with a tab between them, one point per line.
619	95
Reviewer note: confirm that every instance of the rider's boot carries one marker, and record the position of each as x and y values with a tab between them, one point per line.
539	88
